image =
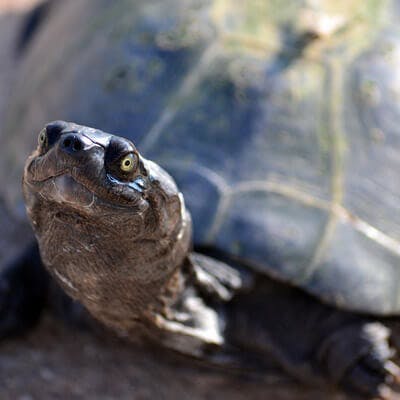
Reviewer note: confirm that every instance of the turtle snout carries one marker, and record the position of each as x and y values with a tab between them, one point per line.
75	144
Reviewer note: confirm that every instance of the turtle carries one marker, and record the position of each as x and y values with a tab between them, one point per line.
114	232
277	125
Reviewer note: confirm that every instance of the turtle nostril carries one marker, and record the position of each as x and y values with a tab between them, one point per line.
77	145
72	144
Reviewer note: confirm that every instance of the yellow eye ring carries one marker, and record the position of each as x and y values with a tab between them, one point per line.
42	139
128	163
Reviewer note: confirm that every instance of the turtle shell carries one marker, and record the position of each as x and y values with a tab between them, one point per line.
278	122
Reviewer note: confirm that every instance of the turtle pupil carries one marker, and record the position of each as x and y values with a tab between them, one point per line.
42	138
127	163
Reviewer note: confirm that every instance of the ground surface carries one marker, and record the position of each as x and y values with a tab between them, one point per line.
58	362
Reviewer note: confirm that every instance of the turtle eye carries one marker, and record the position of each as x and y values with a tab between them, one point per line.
42	138
128	163
121	160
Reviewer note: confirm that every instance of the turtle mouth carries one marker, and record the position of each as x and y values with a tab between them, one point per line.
69	191
64	189
57	182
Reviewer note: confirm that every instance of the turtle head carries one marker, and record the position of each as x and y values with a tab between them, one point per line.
105	217
85	169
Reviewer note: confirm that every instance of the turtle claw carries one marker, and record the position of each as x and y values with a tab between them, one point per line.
385	393
215	277
393	371
359	358
374	380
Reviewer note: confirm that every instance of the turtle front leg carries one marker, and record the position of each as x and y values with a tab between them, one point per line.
313	342
194	323
190	325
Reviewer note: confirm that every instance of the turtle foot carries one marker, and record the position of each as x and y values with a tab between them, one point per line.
358	358
23	293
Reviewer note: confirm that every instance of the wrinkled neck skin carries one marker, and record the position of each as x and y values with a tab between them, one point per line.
114	259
